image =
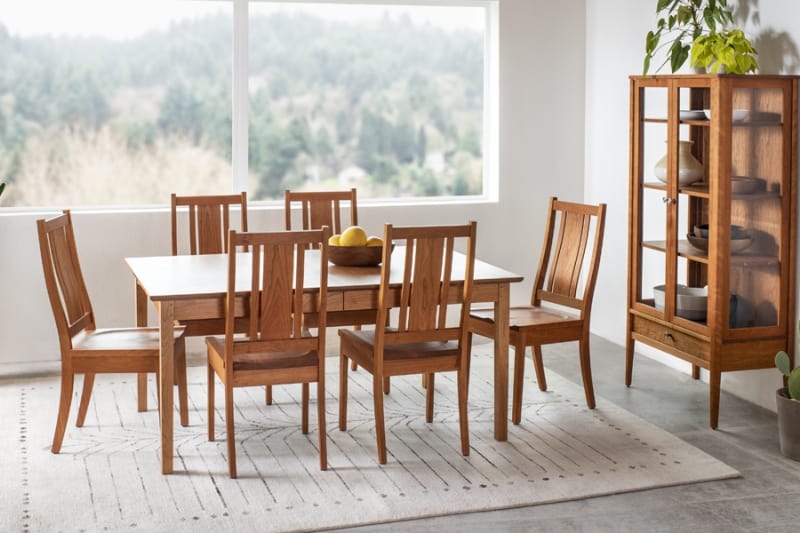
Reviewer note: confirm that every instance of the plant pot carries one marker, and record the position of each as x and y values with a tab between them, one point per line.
788	424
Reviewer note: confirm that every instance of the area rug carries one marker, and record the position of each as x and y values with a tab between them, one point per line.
107	476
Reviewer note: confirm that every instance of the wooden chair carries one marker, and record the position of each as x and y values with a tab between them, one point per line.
209	223
421	341
568	261
320	208
85	349
278	348
317	209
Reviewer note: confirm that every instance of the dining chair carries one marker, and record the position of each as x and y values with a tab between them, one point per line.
277	347
561	298
317	209
320	208
86	349
209	220
418	339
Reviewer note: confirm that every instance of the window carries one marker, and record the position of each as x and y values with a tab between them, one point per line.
391	99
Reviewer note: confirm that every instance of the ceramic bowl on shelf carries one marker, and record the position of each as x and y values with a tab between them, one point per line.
691	114
737	232
737	245
745	185
737	115
691	302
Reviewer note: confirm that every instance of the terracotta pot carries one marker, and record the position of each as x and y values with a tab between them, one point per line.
788	424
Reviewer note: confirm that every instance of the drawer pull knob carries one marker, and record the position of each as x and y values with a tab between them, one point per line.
668	335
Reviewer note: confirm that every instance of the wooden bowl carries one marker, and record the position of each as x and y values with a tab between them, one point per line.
355	255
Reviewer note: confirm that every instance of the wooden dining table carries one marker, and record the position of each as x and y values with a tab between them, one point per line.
184	287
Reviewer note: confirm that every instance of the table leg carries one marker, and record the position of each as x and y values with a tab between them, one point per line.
141	321
166	320
501	311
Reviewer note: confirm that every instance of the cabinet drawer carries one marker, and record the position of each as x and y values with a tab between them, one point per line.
667	338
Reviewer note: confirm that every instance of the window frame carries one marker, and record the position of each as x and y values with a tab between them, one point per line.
490	129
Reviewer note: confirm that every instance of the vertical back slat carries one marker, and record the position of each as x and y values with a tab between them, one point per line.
277	280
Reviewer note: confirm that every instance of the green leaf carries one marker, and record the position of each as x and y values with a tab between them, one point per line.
794	384
783	363
662	4
678	54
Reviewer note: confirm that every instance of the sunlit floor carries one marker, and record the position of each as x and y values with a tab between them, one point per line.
765	498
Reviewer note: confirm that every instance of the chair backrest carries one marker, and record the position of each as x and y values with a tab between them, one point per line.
62	275
568	260
209	221
425	290
321	208
279	268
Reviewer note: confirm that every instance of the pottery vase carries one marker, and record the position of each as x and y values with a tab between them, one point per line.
689	168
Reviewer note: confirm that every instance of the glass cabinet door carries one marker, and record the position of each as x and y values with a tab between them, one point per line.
755	178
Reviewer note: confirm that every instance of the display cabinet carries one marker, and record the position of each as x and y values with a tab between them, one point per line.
711	269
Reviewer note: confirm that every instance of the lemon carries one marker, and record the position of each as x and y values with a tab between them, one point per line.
334	240
353	236
374	241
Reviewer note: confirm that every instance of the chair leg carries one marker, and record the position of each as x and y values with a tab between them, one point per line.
519	376
463	417
229	433
86	396
183	394
380	428
323	434
67	383
586	371
429	384
342	392
268	395
538	366
141	388
304	415
387	386
353	364
211	378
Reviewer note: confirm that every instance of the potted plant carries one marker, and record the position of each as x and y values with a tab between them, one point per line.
788	400
686	21
727	51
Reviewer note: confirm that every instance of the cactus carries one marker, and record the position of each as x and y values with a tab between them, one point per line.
793	383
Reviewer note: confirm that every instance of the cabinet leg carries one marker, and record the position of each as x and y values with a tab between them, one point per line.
713	397
695	372
629	360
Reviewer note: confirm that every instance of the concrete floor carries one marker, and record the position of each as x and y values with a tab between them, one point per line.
765	498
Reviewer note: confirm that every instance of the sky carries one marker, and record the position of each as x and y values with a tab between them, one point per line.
123	19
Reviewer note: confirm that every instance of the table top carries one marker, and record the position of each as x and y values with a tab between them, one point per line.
192	276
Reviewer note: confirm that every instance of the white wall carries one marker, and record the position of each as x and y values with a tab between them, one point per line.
615	31
541	154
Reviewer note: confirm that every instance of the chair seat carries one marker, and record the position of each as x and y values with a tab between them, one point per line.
265	361
520	317
121	339
403	351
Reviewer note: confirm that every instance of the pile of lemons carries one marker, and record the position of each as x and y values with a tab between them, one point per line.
354	236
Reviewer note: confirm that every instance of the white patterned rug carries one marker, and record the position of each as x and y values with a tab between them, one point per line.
107	476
